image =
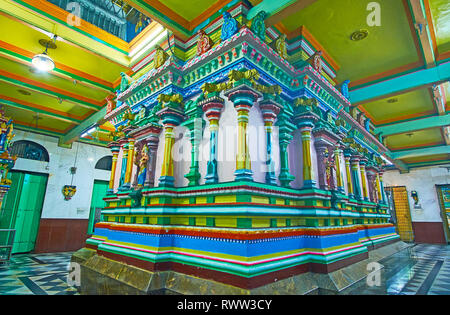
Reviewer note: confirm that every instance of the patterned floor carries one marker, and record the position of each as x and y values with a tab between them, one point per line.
419	270
43	274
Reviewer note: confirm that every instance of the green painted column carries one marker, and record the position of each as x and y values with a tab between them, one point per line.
243	97
212	107
270	109
354	160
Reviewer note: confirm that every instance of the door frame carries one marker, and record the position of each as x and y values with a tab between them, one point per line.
43	200
443	213
92	213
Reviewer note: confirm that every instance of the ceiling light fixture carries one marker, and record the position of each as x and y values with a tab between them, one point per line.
359	35
43	62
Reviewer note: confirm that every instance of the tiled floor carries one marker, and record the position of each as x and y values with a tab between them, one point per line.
422	269
43	274
419	270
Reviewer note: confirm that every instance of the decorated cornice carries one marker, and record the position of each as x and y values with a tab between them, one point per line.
245	51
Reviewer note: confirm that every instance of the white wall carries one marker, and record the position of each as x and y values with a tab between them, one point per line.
61	159
422	180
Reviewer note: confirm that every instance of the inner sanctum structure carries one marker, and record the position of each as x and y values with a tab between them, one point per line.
237	172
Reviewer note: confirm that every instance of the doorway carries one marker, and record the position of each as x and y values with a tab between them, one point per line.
97	204
443	192
22	208
401	212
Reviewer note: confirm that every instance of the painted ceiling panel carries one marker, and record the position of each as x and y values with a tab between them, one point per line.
48	79
29	118
387	47
191	11
13	93
27	38
427	137
400	107
440	11
436	157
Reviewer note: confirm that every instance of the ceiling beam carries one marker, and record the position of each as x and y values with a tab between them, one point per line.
75	133
49	90
414	125
47	17
446	132
278	10
443	149
54	114
401	83
422	31
25	57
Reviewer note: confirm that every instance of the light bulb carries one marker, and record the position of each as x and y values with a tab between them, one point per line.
43	62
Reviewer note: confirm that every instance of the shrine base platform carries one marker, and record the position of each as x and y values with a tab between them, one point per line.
101	275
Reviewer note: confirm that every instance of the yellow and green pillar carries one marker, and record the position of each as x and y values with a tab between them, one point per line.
348	173
212	107
339	180
365	190
270	109
243	98
129	164
354	160
115	149
171	115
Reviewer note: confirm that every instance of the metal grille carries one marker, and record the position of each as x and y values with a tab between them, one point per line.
29	150
105	163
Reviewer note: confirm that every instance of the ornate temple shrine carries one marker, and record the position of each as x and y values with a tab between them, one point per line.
235	171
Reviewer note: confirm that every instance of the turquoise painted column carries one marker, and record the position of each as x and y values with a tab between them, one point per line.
172	115
305	121
286	127
354	160
212	107
243	98
270	109
115	149
124	147
348	173
362	167
383	193
339	181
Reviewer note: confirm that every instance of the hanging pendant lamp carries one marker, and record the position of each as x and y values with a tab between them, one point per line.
43	62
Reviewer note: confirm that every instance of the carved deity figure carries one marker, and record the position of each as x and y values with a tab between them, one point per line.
160	57
229	26
110	103
280	46
258	26
124	82
142	167
315	61
204	43
344	88
329	168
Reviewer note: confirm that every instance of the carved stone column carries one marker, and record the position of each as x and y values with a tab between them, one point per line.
348	172
321	153
243	97
212	106
115	149
365	191
270	109
172	115
152	145
354	160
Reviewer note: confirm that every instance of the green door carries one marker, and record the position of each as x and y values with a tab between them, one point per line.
10	203
23	207
98	193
